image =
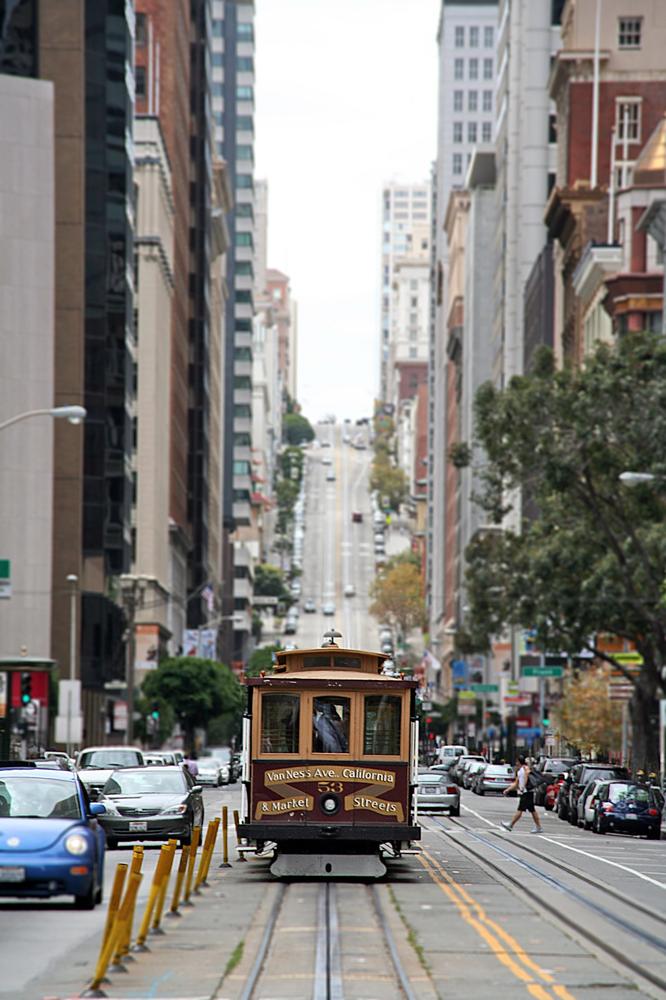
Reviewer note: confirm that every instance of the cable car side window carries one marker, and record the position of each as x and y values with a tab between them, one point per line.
382	725
280	718
330	724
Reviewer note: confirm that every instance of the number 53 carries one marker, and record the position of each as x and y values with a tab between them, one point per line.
329	786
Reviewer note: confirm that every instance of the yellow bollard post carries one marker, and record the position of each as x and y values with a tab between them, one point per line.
161	896
140	944
241	856
198	881
125	915
196	837
216	824
225	838
114	900
180	875
135	869
109	946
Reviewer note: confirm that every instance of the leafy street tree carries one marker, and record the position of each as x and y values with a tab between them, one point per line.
296	428
585	717
591	558
269	582
398	597
390	482
197	690
261	659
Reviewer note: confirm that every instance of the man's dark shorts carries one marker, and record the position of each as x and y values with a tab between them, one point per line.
526	802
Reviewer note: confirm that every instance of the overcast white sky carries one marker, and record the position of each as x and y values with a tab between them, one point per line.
346	94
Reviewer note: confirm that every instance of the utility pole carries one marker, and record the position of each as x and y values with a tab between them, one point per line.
73	581
133	590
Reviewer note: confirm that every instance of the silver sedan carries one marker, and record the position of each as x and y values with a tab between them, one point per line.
435	792
493	778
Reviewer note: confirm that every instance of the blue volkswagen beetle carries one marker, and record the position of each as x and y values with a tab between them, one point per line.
50	841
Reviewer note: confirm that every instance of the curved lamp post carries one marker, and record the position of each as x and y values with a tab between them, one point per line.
75	414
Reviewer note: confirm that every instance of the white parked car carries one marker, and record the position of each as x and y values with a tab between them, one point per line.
350	590
212	771
585	804
328	608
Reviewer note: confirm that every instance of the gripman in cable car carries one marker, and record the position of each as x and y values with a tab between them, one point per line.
329	763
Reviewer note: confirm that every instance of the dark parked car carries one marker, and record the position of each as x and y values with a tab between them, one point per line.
456	770
151	803
576	780
551	766
626	806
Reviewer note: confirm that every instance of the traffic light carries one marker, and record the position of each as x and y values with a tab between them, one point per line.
155	711
545	722
26	688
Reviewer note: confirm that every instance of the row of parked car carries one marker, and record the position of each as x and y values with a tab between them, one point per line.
58	817
594	795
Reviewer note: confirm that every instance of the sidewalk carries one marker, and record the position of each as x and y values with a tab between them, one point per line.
187	961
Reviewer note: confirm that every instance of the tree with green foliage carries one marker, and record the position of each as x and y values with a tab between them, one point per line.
591	560
398	598
269	582
292	461
261	659
296	428
390	482
197	690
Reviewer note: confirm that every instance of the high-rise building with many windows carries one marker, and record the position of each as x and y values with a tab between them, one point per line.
232	62
405	235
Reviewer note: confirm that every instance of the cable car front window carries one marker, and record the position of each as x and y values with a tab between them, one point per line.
330	724
280	714
381	734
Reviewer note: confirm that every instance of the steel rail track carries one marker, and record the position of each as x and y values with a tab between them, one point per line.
328	982
619	956
609	890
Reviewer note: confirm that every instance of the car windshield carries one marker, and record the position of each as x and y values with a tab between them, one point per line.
628	793
146	783
559	764
429	779
210	764
38	798
110	758
597	774
499	769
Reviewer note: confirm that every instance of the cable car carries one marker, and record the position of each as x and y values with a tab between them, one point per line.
330	747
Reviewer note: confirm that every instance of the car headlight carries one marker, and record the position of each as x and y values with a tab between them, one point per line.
76	844
178	810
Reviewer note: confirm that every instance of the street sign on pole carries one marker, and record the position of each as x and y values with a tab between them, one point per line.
484	688
5	578
545	670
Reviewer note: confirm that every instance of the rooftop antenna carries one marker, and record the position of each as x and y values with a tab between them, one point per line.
331	636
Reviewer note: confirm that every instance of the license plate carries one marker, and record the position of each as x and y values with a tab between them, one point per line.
138	827
12	874
631	816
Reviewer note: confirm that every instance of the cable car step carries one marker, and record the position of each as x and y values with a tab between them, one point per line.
328	866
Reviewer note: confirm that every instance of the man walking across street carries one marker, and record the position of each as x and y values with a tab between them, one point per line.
525	797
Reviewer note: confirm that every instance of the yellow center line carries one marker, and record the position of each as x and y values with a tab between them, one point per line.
489	922
459	897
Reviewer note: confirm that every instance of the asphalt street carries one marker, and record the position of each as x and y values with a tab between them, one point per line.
478	913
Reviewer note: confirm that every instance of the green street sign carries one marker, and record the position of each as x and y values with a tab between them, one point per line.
484	688
545	671
5	578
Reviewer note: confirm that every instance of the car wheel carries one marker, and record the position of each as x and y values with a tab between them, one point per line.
88	900
111	843
454	811
653	833
587	825
186	839
561	812
573	818
99	895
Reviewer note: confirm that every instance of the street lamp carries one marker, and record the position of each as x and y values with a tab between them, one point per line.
133	591
75	414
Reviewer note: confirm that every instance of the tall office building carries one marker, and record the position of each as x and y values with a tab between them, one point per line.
466	43
405	233
94	325
232	62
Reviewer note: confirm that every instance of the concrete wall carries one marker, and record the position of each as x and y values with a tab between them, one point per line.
27	234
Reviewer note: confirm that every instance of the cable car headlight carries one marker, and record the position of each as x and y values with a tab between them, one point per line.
330	804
